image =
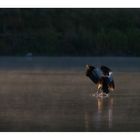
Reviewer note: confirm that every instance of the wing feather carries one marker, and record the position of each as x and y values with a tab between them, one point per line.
93	73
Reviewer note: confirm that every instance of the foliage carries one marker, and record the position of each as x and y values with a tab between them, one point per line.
70	32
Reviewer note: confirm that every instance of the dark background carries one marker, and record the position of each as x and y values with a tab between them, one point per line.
70	32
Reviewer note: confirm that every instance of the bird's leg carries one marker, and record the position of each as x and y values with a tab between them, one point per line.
98	92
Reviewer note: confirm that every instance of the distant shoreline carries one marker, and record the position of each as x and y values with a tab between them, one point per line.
69	63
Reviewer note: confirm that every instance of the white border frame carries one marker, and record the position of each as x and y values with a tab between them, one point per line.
70	3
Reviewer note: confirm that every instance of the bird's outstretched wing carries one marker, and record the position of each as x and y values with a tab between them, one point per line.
93	73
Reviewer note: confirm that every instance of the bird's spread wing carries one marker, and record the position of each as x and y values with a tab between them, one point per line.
93	73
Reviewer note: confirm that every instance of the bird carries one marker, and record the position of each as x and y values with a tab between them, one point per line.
102	77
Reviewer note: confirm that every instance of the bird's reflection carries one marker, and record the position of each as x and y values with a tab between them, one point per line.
101	118
104	112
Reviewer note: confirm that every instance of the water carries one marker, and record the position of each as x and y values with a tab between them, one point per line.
53	94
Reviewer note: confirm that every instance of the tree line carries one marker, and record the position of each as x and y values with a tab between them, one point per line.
70	32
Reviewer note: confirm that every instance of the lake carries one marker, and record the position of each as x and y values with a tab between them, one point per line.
52	94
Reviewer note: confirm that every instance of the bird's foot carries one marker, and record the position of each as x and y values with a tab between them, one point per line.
102	94
94	94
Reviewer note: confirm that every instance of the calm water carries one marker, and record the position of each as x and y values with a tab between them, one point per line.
53	94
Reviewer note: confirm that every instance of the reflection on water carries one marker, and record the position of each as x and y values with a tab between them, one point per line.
87	121
104	111
101	120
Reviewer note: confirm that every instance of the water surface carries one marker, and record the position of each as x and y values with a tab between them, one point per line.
54	95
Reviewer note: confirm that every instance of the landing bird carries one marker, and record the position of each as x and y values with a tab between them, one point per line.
102	77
